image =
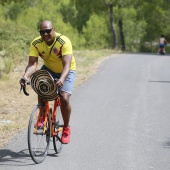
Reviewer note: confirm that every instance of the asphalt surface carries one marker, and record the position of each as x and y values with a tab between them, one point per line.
120	120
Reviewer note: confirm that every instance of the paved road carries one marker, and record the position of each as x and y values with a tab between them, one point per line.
120	120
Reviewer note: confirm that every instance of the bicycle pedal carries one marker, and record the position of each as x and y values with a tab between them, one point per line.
40	127
39	132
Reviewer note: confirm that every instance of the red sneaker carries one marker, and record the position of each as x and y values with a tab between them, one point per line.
65	135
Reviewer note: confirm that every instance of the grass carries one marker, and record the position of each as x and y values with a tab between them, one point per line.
88	62
16	107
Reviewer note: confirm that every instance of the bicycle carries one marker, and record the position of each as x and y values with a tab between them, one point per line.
45	121
161	51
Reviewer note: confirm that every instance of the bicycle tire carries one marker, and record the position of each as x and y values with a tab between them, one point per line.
57	138
38	142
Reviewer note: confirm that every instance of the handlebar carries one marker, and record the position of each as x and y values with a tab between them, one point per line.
23	81
24	90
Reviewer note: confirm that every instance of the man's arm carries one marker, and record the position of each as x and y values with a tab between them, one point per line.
31	67
165	41
66	61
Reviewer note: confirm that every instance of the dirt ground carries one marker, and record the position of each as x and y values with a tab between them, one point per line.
16	107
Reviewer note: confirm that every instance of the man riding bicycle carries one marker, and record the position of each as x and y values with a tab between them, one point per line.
162	43
56	51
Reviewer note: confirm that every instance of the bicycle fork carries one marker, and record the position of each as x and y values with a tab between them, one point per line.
55	125
40	126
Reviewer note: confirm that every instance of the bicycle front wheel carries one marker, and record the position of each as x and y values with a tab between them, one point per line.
58	127
38	137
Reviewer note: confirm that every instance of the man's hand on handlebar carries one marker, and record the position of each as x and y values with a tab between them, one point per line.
59	83
23	84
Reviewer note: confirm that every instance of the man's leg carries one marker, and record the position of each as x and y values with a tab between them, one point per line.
65	108
66	92
66	112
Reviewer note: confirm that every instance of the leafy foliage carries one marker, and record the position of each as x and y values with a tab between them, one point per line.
85	22
95	31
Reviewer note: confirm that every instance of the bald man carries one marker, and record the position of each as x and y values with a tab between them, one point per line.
56	51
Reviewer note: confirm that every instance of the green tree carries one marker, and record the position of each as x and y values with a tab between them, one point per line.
4	2
96	33
155	13
88	7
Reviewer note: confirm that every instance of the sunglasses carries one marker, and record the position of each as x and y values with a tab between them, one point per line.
48	31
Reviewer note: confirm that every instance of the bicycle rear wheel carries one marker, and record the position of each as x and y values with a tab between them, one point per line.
38	139
58	126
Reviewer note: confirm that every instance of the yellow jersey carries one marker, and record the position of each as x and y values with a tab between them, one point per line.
52	54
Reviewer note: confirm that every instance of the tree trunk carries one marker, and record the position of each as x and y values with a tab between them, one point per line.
113	29
122	39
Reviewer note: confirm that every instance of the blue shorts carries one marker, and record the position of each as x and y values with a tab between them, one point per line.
68	83
161	45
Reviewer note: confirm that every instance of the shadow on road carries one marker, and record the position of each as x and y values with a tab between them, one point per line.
159	81
167	144
21	158
148	53
8	157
